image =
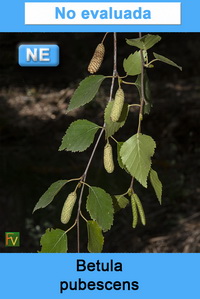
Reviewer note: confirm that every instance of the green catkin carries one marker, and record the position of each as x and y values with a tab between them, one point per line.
134	211
97	59
117	105
108	158
140	209
68	207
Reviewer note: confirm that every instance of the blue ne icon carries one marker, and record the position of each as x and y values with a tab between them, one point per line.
38	55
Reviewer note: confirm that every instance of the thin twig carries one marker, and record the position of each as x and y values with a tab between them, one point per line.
83	217
114	139
95	146
132	181
130	83
134	105
104	37
152	61
142	100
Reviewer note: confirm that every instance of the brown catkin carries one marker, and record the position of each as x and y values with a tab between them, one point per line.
108	158
117	105
68	207
97	59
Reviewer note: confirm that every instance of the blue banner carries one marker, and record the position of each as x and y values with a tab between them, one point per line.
99	16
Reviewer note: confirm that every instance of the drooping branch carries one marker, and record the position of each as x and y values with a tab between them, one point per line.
142	94
96	144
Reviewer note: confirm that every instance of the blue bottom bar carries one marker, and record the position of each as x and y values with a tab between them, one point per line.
156	276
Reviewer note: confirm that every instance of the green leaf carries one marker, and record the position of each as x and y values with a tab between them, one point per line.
54	241
147	92
79	136
132	65
49	195
95	237
112	127
136	155
147	108
86	91
166	60
145	42
145	56
156	184
99	205
119	159
119	202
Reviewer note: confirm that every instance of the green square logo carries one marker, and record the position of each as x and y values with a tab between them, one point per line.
12	239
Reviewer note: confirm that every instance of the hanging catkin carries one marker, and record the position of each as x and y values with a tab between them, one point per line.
68	207
108	158
97	59
117	105
134	211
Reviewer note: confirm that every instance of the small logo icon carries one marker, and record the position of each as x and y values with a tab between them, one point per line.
12	239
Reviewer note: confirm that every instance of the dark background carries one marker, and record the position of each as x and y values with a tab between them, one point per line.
33	119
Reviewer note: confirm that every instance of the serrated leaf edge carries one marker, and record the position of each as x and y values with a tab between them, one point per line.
50	229
35	208
91	188
159	198
71	109
78	120
146	185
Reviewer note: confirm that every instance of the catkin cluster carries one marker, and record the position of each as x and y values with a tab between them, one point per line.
108	158
97	59
117	105
68	207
